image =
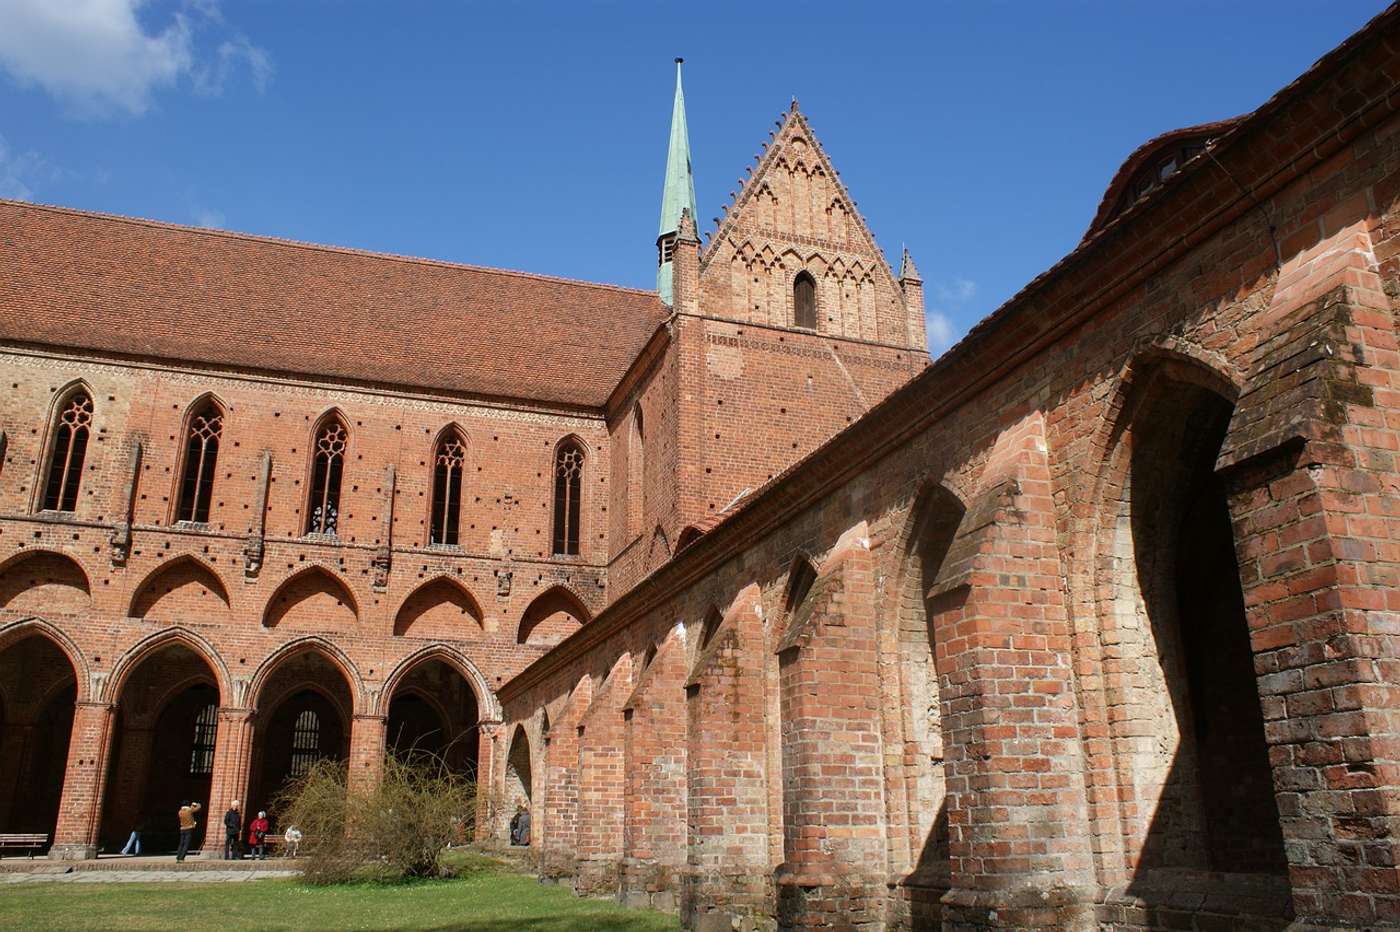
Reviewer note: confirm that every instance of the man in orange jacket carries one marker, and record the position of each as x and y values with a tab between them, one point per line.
187	824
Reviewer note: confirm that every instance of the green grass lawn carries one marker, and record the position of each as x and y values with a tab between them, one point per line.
480	902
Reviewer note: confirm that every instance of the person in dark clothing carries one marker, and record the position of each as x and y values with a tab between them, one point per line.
520	827
187	824
233	824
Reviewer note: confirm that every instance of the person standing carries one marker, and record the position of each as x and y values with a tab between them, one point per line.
133	844
233	825
187	824
257	836
524	826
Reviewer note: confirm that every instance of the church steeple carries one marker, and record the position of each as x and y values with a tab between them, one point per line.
677	195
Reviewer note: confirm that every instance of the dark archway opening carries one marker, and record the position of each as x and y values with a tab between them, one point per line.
933	527
38	690
162	750
304	711
434	710
1216	810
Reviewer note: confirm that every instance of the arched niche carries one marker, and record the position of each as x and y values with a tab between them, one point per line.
552	616
182	589
439	608
44	582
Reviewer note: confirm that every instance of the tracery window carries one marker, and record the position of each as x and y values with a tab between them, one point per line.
201	459
306	742
449	459
69	448
568	492
328	461
804	301
202	751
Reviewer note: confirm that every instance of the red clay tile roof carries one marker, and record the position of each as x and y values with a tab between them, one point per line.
1142	155
138	288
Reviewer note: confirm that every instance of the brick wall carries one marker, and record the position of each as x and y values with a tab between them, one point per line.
1142	675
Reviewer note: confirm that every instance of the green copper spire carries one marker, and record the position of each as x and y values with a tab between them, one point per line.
678	194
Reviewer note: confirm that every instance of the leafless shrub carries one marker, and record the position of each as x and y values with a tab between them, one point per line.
392	832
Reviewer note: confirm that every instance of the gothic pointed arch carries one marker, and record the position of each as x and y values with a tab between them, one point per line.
324	650
313	598
329	447
305	696
449	464
569	463
44	582
801	575
182	587
16	631
201	432
488	705
41	683
440	607
519	770
552	616
70	427
1171	609
177	637
916	607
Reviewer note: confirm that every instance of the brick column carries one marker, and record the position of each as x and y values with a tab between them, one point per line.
1316	596
366	752
80	809
653	830
490	758
233	753
1017	812
1311	467
598	849
727	882
560	788
834	869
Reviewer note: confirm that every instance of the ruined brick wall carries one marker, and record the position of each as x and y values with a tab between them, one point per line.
1149	512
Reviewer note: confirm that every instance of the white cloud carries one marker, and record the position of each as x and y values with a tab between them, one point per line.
98	57
960	290
232	55
942	332
209	218
21	173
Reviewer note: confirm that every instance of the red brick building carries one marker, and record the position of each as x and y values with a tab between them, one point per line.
1090	623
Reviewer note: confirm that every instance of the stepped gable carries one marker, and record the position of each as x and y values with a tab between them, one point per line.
793	215
86	281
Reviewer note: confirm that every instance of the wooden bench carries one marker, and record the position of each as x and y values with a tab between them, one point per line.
32	842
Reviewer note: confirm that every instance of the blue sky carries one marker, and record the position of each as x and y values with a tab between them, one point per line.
533	136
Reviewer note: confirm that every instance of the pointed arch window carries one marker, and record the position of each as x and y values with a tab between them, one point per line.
636	455
202	751
66	455
568	493
328	461
206	427
449	459
306	742
804	301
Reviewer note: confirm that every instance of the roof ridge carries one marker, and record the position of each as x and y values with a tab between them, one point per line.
317	247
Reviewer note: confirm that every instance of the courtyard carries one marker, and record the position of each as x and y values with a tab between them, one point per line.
484	901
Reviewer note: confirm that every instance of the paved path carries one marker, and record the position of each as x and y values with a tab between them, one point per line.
141	876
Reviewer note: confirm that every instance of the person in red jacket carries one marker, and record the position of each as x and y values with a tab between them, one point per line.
257	836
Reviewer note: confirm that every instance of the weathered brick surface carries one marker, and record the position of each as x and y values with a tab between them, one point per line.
1101	623
1124	656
